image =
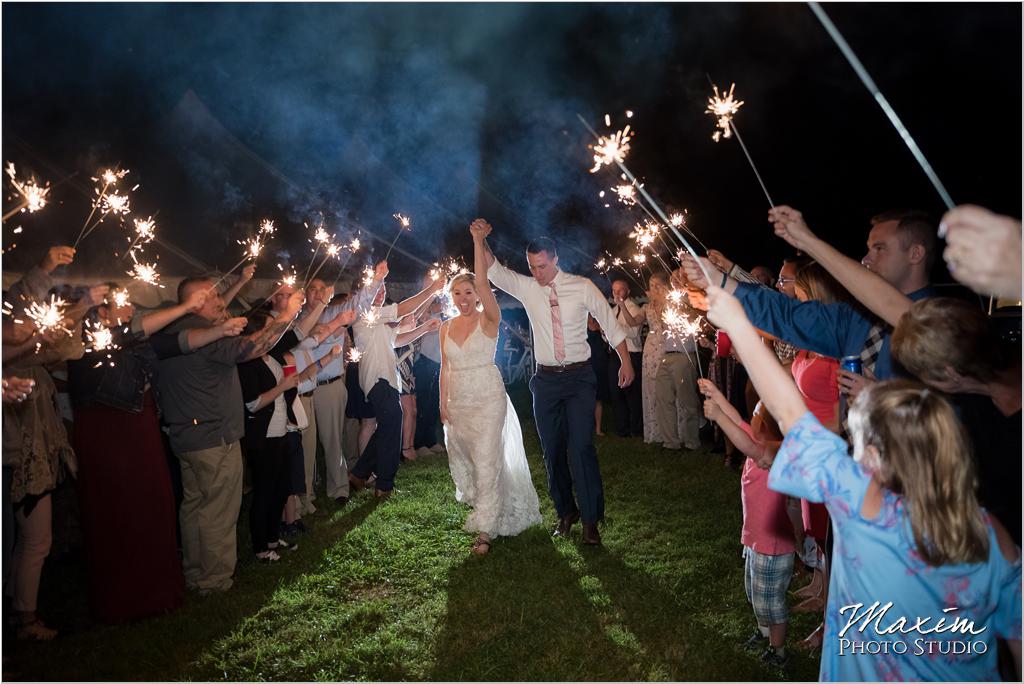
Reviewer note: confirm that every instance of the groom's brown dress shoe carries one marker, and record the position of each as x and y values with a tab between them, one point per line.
591	537
356	484
565	525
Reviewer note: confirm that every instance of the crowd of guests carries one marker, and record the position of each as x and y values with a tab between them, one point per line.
894	478
183	408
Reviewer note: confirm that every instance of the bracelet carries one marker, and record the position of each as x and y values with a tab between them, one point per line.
725	276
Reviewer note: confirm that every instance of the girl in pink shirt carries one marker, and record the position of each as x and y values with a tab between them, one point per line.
767	537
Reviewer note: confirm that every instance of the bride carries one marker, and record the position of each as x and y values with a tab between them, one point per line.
481	429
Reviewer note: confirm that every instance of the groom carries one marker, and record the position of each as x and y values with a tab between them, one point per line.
564	387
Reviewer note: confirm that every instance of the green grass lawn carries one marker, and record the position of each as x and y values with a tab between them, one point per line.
390	591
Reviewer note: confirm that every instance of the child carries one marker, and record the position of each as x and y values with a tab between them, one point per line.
912	545
767	538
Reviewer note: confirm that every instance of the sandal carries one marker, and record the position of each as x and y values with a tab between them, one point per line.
36	631
481	545
409	453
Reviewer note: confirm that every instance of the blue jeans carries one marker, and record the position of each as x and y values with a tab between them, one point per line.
384	450
563	408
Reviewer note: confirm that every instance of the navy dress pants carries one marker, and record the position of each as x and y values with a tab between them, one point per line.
384	450
563	408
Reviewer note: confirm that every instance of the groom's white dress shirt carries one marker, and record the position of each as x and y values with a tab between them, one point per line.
576	296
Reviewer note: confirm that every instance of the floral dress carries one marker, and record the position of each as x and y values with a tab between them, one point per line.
879	578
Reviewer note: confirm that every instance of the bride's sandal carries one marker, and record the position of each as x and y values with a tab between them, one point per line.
481	545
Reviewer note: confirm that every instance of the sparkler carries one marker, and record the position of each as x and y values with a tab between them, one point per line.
33	197
120	298
354	355
253	247
267	227
610	149
614	151
626	194
724	109
894	119
353	247
145	231
371	317
145	273
367	276
404	223
680	326
100	338
108	178
48	316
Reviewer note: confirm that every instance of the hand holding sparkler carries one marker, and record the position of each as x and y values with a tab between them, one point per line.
197	300
57	256
380	271
233	327
695	273
983	250
720	260
725	311
789	225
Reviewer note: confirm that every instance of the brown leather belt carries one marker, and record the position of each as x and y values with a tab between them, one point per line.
562	369
321	383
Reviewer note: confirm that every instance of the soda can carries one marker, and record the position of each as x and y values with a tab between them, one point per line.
852	364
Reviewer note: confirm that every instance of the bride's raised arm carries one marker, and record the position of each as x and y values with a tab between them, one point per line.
492	312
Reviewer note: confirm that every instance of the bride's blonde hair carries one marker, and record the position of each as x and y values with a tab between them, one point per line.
465	277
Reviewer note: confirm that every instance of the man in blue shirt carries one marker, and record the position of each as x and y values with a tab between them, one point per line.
901	249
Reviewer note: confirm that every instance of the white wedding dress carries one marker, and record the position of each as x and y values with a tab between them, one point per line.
485	443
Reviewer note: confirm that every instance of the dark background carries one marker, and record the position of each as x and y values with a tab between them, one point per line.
228	113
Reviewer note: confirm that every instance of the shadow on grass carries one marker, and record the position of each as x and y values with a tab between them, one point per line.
507	621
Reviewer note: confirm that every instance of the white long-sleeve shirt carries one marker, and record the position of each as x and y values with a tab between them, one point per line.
576	297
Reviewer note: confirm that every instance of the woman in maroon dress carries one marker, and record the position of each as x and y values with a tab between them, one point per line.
124	485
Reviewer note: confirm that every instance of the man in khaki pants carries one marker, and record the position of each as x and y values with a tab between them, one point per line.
201	401
676	399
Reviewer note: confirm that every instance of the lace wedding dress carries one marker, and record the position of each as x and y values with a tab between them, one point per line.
485	443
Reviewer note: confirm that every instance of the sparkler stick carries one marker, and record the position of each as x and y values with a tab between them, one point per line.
353	247
646	196
724	109
320	237
404	223
109	177
869	83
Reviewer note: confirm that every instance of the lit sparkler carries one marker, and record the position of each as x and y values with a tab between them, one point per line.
118	206
33	197
145	273
354	355
120	298
626	194
368	274
48	316
267	227
680	326
371	317
100	338
724	108
611	149
404	223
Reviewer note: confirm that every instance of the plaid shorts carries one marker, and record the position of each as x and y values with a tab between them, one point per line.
766	579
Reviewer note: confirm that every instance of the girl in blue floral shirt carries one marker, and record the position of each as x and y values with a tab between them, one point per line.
924	581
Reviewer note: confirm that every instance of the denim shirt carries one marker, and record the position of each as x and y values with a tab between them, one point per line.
117	378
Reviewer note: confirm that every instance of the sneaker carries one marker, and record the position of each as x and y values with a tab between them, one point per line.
772	657
269	556
282	545
755	642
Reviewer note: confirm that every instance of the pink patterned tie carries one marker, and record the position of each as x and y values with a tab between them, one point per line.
556	326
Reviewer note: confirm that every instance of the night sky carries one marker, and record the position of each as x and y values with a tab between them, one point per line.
228	113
